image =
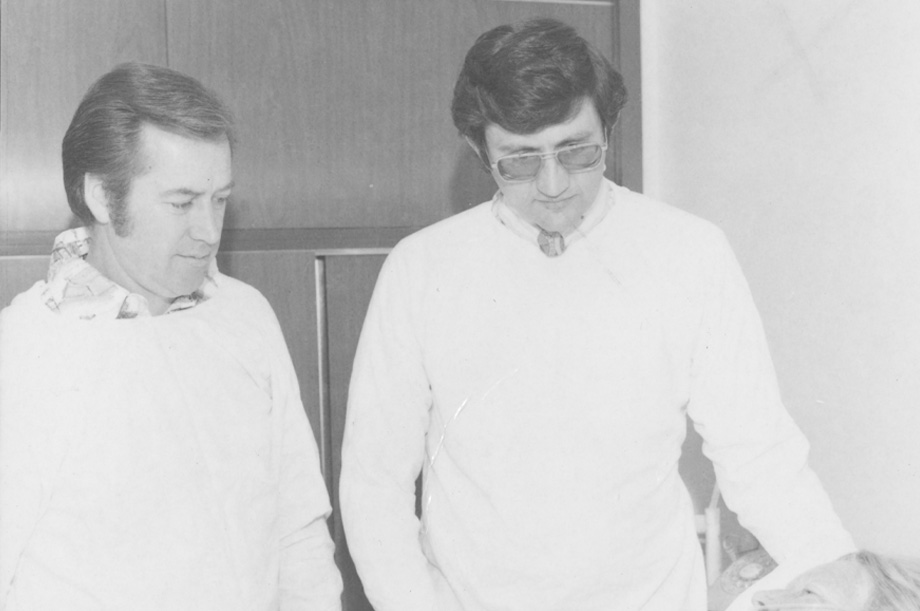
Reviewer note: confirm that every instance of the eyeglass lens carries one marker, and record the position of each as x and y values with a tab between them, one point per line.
576	158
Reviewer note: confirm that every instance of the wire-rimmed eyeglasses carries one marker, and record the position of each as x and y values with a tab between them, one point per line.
525	166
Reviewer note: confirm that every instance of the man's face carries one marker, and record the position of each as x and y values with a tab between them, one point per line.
555	199
175	209
838	586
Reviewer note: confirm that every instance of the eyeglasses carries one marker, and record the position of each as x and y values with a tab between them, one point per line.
526	166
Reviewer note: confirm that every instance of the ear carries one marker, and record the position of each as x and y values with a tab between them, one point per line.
96	198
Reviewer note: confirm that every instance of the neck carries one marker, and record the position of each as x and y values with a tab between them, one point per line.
102	256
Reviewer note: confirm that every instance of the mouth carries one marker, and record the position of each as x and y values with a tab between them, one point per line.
555	204
198	259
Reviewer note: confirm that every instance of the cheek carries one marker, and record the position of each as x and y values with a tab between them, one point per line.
771	597
516	195
160	249
591	182
220	215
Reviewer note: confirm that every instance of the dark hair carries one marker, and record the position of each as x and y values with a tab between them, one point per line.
104	135
528	76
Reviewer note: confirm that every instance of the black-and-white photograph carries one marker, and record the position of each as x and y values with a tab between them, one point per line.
459	305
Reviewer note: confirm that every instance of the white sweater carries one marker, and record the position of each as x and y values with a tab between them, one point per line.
158	463
545	399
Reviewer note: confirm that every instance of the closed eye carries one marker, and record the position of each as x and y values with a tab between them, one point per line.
814	596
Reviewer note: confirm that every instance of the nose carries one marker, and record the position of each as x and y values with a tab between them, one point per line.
553	179
206	223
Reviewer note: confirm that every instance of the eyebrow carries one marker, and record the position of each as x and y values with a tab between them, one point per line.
574	139
186	192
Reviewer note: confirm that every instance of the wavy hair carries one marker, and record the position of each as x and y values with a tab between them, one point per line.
530	75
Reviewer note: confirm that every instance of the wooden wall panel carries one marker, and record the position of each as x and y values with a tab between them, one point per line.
349	284
51	51
19	273
344	106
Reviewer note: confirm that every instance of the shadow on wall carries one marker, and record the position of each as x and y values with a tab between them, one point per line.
470	183
699	476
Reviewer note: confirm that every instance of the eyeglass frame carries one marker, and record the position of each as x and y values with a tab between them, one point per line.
554	154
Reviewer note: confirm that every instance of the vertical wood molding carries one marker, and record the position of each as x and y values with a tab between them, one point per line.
322	372
628	135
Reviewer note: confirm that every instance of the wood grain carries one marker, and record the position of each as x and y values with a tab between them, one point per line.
344	106
51	51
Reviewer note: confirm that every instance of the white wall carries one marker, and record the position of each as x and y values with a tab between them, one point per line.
795	126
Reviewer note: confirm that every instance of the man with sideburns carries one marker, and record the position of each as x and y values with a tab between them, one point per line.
535	358
154	450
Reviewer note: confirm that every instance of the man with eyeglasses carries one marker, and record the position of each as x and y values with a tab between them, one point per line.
535	357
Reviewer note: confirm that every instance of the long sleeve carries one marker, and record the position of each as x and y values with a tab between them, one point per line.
21	491
309	579
36	433
383	452
760	455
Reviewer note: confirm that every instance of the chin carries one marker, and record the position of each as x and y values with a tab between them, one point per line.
563	226
189	287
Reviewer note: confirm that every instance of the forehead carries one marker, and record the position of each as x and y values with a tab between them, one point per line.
846	579
583	125
164	156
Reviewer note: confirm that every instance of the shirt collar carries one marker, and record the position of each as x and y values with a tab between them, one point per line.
78	290
554	244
